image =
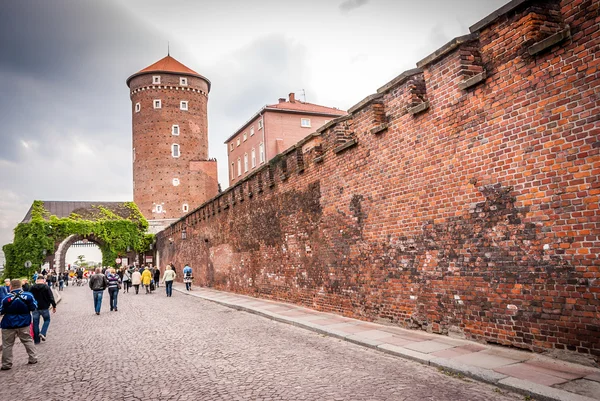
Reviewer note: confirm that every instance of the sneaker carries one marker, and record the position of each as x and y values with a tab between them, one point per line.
32	362
42	337
97	313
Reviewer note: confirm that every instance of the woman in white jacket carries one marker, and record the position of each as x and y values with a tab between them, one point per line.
168	278
136	280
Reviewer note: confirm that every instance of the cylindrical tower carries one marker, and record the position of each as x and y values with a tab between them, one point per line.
171	171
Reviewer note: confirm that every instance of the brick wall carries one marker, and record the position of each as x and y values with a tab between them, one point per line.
461	198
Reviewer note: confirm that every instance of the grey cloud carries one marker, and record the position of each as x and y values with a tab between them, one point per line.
350	5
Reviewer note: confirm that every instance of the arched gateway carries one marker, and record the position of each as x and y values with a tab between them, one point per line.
51	227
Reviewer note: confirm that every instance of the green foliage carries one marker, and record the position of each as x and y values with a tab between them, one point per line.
112	233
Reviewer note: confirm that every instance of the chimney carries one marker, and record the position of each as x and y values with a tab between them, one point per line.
281	100
292	97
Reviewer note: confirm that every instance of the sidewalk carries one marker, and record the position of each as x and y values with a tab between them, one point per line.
534	375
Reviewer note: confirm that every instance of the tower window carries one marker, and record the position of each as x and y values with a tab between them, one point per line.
175	150
238	142
185	207
183	81
175	129
158	209
239	166
245	162
175	182
138	107
245	137
157	104
253	153
261	152
231	147
232	171
260	124
251	130
305	122
156	79
183	105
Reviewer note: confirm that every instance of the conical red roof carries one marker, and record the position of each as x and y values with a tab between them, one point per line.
168	64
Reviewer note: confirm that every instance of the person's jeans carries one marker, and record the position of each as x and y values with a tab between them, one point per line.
45	313
113	293
169	287
137	288
98	300
188	286
61	284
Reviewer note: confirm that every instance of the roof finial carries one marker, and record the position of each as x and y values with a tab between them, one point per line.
168	48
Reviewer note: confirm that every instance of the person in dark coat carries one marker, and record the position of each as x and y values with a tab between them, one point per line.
44	298
156	276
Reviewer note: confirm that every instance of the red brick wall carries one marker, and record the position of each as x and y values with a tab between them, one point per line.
478	215
154	168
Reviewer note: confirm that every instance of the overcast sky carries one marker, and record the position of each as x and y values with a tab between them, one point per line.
65	108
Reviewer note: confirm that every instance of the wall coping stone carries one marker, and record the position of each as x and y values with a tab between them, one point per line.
400	79
505	9
447	48
365	102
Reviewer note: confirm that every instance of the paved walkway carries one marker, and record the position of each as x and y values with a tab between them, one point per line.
534	375
186	348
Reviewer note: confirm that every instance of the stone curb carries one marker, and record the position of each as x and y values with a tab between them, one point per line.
537	391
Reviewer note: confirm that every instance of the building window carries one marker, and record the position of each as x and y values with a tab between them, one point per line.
183	81
157	104
232	171
134	155
175	150
185	207
253	157
251	130
156	79
261	152
138	107
260	124
245	162
158	209
175	182
245	137
239	166
175	129
305	122
183	105
238	142
231	147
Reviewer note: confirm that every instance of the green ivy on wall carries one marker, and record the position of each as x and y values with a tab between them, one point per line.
45	232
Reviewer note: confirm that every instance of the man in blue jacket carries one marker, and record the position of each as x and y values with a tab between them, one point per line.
16	309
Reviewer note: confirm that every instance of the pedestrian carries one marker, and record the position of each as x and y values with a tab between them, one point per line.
4	290
173	268
114	285
126	280
44	298
168	278
25	285
16	309
187	277
136	280
146	279
61	281
98	283
156	275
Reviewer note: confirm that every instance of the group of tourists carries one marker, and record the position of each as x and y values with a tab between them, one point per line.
17	305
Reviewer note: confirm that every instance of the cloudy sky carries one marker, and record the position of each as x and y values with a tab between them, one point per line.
65	109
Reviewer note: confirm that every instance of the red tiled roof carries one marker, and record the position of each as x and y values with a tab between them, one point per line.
168	64
306	107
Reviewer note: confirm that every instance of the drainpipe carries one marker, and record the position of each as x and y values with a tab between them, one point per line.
264	129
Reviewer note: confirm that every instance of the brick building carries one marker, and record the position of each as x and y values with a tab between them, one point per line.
270	131
171	170
463	197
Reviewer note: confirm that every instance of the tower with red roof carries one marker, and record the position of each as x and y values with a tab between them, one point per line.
171	170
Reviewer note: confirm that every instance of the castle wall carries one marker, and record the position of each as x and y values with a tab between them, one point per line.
461	198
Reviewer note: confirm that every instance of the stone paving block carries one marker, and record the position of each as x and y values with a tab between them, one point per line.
327	322
394	340
540	391
594	376
486	375
365	342
562	369
406	353
486	361
530	373
372	334
587	388
428	347
452	352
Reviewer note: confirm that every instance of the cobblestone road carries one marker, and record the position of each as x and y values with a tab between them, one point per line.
184	348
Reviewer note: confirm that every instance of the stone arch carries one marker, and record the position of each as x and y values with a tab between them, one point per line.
63	247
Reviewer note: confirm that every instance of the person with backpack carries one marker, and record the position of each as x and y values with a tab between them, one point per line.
98	283
44	298
16	310
187	277
114	285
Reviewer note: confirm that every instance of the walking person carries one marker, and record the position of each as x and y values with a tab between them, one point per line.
147	279
16	309
187	277
114	285
136	280
61	281
44	298
126	280
156	275
98	283
168	278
